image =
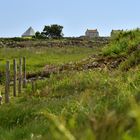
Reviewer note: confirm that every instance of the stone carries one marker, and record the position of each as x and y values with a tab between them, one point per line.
95	64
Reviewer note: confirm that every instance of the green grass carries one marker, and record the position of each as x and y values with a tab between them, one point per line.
75	105
125	44
37	58
98	104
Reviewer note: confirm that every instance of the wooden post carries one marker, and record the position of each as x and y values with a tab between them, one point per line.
0	100
15	77
24	72
20	77
7	84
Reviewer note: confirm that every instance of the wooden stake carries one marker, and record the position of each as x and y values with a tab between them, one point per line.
15	77
24	72
20	77
7	84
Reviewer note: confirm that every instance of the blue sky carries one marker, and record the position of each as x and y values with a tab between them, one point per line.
75	15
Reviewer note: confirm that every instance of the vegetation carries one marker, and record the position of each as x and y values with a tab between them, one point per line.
37	58
86	104
125	44
52	31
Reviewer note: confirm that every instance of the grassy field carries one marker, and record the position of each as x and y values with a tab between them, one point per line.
101	105
37	58
92	104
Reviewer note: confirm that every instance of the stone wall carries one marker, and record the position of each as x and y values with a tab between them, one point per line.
97	42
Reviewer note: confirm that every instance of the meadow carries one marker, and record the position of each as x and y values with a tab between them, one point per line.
37	58
91	104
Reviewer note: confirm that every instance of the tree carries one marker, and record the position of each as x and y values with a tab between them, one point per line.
39	35
53	31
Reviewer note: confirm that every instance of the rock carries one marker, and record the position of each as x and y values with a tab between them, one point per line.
95	64
85	67
114	64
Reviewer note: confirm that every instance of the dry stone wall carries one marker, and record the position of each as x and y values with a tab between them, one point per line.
54	43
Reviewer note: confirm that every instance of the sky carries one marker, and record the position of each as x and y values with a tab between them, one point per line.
76	16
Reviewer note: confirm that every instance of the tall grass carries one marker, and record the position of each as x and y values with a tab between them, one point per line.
124	43
37	58
83	105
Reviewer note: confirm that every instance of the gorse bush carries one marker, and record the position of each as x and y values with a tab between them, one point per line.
126	45
123	43
134	60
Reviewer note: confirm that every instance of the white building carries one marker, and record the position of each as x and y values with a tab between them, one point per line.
29	33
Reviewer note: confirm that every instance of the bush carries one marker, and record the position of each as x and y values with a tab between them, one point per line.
123	43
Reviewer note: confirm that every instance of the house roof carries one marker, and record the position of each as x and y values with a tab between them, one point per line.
29	32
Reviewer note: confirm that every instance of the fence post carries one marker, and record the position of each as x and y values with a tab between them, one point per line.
20	77
7	84
24	72
15	77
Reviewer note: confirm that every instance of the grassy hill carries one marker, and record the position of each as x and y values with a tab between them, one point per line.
126	44
95	96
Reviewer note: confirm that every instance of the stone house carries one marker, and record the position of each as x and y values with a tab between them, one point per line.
92	33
